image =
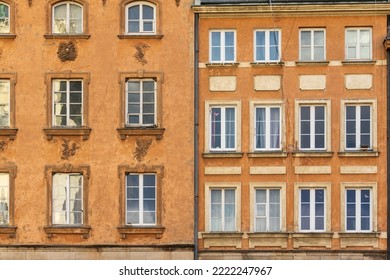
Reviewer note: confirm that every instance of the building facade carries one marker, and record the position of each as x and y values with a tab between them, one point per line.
96	129
292	129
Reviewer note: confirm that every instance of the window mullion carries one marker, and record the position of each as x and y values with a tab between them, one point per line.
358	210
267	127
267	45
312	44
223	46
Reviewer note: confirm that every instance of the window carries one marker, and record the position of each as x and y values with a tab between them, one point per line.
222	46
67	18
67	105
67	199
267	128
358	209
312	127
222	210
67	102
267	45
4	199
141	102
358	44
358	129
223	128
312	45
140	18
312	209
7	105
5	89
140	199
4	18
267	210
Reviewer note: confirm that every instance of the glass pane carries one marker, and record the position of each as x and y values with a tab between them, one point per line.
148	97
351	37
261	224
261	196
274	224
147	12
274	196
76	218
133	86
261	210
132	218
305	209
75	97
229	196
319	223
149	205
133	27
274	210
59	218
365	223
215	39
147	26
260	53
132	180
351	210
351	195
149	193
260	38
319	208
133	97
75	109
133	205
133	12
364	36
319	38
305	223
132	193
148	108
75	121
216	196
319	196
149	180
351	224
365	196
305	37
305	53
149	217
305	195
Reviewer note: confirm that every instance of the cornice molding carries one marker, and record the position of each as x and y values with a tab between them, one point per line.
292	10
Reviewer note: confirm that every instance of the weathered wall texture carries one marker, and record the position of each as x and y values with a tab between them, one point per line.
103	56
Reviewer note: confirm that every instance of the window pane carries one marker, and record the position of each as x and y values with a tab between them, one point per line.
364	36
319	38
351	223
319	223
305	195
216	128
351	37
305	223
4	198
261	196
4	19
365	196
147	12
365	223
149	217
149	205
305	38
149	193
147	26
132	218
134	12
261	225
132	180
149	180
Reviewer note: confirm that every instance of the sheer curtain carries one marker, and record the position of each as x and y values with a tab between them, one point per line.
275	128
230	128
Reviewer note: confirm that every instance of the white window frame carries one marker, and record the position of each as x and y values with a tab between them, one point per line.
312	104
358	186
67	210
268	127
223	128
8	19
358	45
141	103
373	129
68	120
222	46
141	199
327	206
68	3
141	20
254	186
358	132
5	192
267	45
237	195
312	46
8	103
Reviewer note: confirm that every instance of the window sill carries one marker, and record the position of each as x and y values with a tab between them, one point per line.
157	231
312	63
270	154
9	132
222	155
140	36
7	36
358	154
221	64
266	64
312	154
66	36
10	230
141	131
82	230
358	62
67	131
